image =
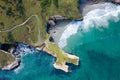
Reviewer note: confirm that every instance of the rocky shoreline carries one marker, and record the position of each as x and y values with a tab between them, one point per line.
17	50
53	21
13	65
21	49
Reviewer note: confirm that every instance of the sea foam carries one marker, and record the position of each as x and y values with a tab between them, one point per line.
71	29
100	17
19	68
97	18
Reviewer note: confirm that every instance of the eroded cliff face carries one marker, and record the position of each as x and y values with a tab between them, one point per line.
5	59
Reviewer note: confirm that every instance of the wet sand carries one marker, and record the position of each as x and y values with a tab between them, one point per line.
58	29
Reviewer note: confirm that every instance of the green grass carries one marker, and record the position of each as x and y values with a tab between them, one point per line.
34	31
5	59
43	8
61	56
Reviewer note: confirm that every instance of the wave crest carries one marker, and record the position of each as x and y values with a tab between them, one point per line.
71	29
97	18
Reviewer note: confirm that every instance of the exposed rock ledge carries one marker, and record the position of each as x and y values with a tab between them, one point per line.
55	18
65	67
13	65
50	48
61	56
52	21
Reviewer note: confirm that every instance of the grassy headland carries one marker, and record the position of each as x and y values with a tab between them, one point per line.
5	59
15	12
62	57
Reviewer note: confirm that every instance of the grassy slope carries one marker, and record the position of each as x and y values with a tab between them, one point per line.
29	32
5	59
62	57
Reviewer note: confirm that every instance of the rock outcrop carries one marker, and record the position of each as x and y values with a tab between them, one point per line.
15	50
13	65
52	21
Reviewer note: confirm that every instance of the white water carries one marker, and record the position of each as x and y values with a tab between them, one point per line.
97	18
19	68
71	29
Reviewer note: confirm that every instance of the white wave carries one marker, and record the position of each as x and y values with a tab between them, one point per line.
17	70
71	29
98	18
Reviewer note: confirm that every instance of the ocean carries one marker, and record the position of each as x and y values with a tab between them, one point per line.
95	40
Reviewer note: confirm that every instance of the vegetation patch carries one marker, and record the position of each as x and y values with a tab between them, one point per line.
5	59
61	56
14	12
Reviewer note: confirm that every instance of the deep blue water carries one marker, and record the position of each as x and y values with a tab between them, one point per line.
34	66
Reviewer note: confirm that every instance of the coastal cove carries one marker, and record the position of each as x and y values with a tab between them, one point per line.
51	48
82	48
42	62
18	50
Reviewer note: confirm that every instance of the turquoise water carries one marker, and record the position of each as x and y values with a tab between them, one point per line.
97	44
99	57
36	66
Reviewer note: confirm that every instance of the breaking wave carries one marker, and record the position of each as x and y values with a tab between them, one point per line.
98	18
71	29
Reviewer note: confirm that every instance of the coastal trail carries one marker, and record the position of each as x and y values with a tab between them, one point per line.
19	25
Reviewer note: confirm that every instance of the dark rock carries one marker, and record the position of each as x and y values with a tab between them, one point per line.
7	47
116	2
17	64
51	39
14	65
52	22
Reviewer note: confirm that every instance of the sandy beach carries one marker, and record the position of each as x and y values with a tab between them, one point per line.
58	29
